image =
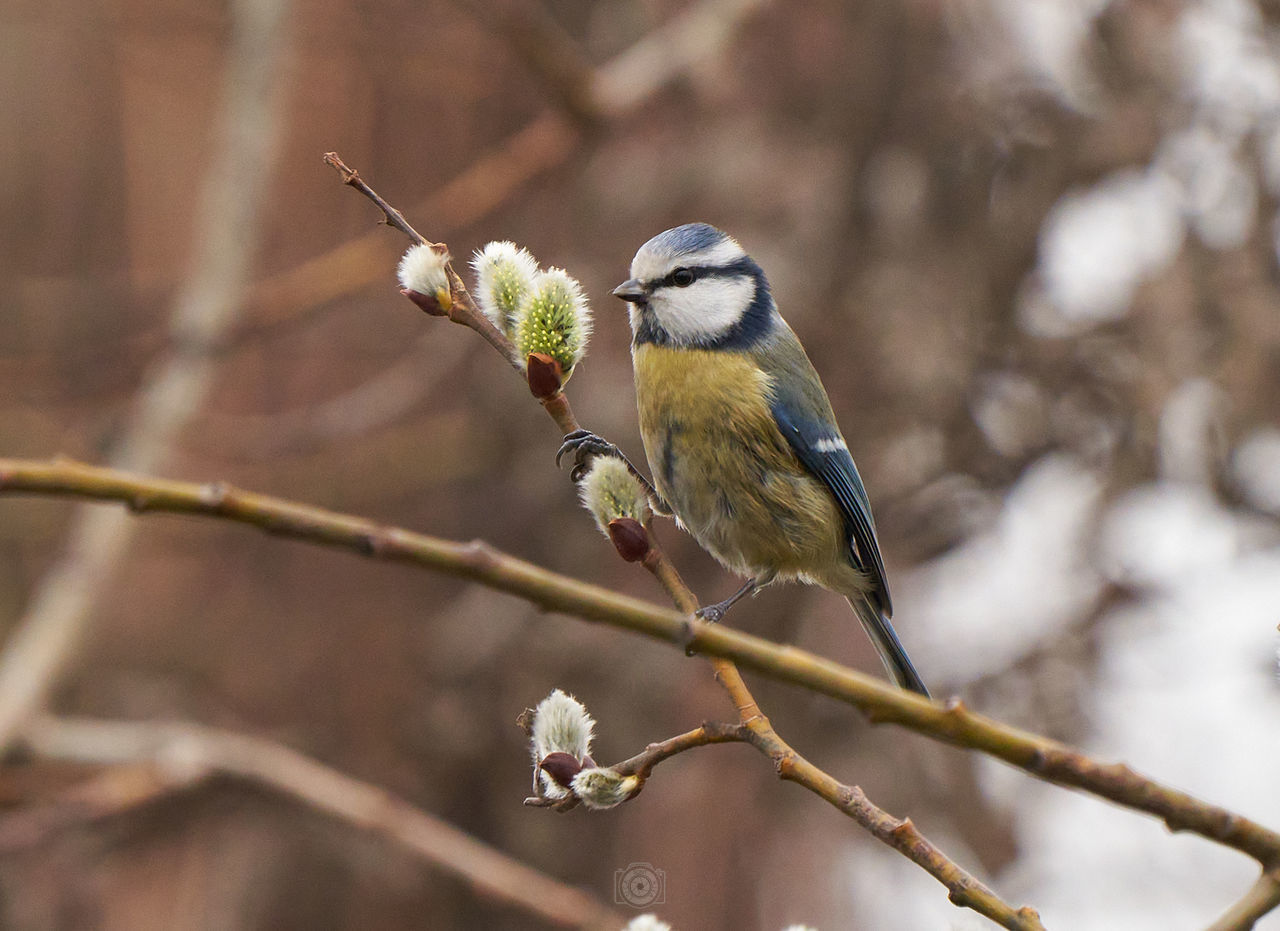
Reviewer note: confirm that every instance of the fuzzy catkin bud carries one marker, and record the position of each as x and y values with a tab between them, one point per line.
600	787
609	491
504	277
553	319
422	270
560	725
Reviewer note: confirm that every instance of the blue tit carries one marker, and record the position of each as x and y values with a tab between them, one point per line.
742	443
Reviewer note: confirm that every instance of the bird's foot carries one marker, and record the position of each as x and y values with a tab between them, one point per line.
714	613
585	446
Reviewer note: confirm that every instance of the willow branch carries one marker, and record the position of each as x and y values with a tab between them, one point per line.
183	754
952	723
962	888
882	703
899	833
642	764
462	309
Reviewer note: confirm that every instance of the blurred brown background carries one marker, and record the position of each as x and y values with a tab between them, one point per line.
1031	247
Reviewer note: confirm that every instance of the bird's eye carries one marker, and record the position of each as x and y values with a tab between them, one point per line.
682	277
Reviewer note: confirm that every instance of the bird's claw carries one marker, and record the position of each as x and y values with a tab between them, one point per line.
584	445
712	614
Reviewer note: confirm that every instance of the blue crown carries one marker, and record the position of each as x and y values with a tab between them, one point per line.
687	239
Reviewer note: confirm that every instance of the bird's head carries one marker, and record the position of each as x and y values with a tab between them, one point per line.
694	286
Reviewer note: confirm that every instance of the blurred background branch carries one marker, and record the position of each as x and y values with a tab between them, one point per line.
179	755
177	382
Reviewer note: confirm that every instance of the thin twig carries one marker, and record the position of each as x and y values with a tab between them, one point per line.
462	309
1262	897
183	754
703	736
394	217
952	723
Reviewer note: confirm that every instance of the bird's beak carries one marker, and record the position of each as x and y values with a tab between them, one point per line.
632	291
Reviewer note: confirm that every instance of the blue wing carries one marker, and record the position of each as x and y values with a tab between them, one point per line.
818	445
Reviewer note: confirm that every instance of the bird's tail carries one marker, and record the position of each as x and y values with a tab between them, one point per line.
895	659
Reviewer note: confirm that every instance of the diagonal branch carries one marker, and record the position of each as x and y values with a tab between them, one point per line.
963	889
395	218
952	723
901	834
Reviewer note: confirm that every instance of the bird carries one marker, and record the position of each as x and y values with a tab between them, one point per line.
742	443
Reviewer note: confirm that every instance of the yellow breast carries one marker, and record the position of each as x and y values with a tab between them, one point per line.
699	388
717	457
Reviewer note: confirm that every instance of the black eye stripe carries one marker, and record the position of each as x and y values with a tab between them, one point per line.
743	266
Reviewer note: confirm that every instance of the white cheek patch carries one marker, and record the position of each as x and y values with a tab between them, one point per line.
829	444
704	310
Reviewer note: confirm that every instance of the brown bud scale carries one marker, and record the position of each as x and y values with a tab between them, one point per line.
630	538
425	302
545	375
561	767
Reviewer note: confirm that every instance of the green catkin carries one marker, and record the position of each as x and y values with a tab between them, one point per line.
553	320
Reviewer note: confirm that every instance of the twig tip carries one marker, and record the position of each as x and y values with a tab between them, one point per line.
333	160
